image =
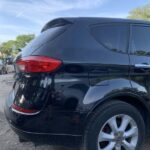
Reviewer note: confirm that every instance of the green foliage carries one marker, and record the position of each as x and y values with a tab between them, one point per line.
22	40
11	47
6	47
142	13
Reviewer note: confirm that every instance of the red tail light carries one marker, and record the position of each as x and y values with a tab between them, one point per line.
38	64
19	109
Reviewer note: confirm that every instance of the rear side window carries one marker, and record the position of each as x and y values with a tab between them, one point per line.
112	36
141	40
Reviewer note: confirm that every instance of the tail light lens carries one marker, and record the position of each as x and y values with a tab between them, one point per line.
38	64
21	110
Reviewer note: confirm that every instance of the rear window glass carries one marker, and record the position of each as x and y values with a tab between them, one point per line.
43	38
112	36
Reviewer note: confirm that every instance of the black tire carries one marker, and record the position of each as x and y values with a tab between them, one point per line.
6	72
3	71
104	113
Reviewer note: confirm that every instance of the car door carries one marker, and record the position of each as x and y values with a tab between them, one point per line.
111	58
140	59
109	71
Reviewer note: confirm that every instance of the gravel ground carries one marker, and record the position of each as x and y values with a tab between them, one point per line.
9	140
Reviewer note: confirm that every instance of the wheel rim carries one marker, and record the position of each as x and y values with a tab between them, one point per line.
118	133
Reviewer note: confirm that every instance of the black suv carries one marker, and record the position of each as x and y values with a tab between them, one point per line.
87	79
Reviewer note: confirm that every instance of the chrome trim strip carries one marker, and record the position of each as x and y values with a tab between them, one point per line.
142	66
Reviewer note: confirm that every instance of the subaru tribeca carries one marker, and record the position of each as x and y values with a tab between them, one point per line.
86	79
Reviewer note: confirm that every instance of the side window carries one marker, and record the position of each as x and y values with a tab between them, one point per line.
112	36
141	40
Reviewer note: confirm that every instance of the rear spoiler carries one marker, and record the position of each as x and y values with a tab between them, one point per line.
56	23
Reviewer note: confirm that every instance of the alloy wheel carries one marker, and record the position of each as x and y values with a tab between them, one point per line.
118	133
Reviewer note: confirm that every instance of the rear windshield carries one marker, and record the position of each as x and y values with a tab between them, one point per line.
42	39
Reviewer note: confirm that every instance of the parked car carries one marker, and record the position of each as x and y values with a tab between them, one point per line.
3	67
85	79
9	60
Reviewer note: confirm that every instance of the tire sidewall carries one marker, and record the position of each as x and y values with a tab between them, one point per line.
101	117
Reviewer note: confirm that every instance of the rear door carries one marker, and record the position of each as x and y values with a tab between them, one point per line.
112	57
140	59
109	74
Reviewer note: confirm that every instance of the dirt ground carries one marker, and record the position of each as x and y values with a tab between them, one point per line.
9	140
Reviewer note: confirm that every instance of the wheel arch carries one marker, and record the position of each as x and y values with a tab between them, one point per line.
135	100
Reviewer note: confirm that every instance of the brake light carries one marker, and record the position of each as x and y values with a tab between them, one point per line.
38	64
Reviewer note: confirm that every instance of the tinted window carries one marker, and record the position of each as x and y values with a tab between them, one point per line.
112	36
42	39
141	40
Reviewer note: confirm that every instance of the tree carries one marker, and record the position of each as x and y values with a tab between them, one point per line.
141	13
11	47
22	40
6	48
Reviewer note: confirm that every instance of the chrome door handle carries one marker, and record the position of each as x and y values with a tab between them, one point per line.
142	66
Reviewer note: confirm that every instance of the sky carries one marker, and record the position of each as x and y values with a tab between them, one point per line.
29	16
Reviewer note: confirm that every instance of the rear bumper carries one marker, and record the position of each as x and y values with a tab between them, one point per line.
48	138
43	127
